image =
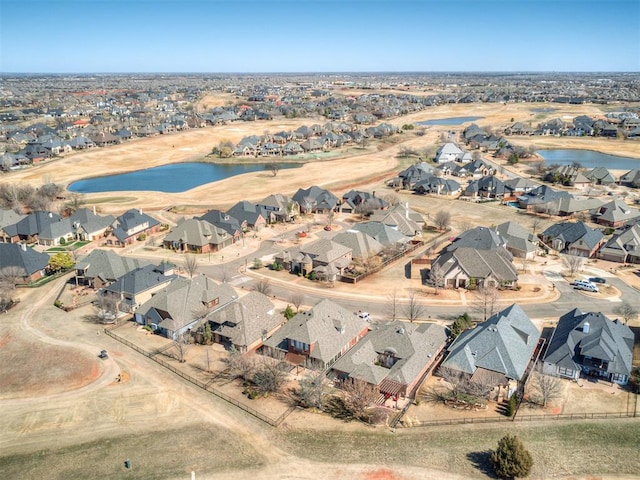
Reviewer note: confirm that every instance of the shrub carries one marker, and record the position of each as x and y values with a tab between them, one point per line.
511	459
288	312
512	405
58	304
142	237
257	263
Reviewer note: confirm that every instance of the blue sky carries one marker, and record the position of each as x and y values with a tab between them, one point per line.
85	36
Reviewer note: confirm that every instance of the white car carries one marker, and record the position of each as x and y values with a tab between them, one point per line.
364	316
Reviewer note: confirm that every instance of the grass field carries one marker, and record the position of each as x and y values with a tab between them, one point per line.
154	455
581	449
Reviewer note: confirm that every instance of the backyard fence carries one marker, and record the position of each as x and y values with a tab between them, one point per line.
274	422
518	418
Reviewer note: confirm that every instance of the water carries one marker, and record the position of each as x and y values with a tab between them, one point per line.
588	159
449	121
544	110
174	178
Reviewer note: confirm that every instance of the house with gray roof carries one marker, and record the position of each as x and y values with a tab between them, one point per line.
355	200
9	217
539	197
315	200
600	176
317	338
130	225
631	178
449	152
575	237
401	218
623	247
245	322
470	268
249	215
45	228
480	238
196	236
395	357
25	260
497	351
520	242
572	205
137	286
101	267
326	258
182	305
437	186
87	225
362	246
385	234
615	214
591	344
226	221
486	187
279	208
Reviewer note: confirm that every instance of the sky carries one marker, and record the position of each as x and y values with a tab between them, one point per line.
243	36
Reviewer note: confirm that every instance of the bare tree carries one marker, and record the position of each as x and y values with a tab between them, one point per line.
107	307
269	375
9	278
442	219
543	388
239	365
312	390
181	345
487	299
413	310
273	167
191	264
627	311
331	214
536	224
392	306
573	262
459	384
297	299
263	286
391	199
359	395
465	225
436	277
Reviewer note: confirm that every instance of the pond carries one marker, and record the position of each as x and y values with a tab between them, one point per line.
449	121
174	178
588	159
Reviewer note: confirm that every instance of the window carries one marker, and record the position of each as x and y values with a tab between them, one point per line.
565	372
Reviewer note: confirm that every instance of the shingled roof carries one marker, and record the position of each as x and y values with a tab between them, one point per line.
503	344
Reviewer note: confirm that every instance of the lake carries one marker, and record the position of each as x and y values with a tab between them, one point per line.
449	121
588	159
174	178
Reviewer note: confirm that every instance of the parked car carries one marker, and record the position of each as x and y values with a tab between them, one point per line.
586	286
103	354
597	280
364	316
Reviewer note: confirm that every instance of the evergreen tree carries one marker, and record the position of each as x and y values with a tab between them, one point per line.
511	459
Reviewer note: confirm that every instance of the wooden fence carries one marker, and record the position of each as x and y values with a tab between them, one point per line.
274	422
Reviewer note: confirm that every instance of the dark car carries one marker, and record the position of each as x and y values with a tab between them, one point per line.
597	280
103	354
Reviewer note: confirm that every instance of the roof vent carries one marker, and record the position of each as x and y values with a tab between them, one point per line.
585	327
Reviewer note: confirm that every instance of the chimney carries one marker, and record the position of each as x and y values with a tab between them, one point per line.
94	210
140	211
585	327
406	209
23	246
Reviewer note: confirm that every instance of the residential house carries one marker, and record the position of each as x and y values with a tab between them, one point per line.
315	200
518	186
137	286
245	323
362	245
591	344
326	258
497	351
623	247
573	237
363	201
486	187
227	222
317	338
101	267
386	235
197	236
540	197
449	152
480	238
249	215
87	225
132	224
25	261
520	242
183	305
573	205
45	228
615	214
466	267
279	208
432	185
395	357
631	178
401	218
415	173
600	176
